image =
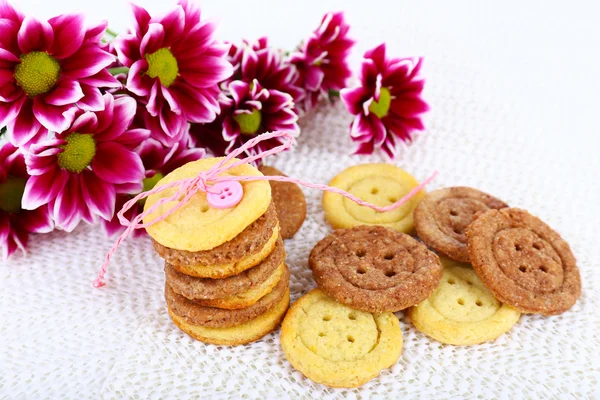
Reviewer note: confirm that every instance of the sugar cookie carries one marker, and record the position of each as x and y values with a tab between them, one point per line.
374	269
289	201
335	345
524	262
187	228
247	332
380	184
462	311
443	215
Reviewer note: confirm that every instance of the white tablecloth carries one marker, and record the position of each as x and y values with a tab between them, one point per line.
513	89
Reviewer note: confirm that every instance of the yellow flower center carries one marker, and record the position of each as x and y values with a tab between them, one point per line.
381	107
11	193
162	64
78	153
249	123
37	73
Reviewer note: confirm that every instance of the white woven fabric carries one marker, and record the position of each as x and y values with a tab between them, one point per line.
510	115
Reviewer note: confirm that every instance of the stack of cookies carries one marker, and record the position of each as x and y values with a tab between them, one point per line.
226	280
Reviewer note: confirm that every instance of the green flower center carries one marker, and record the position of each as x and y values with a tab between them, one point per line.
162	64
249	123
11	193
381	107
37	73
78	153
149	184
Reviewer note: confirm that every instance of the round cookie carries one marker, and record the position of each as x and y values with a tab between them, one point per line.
524	262
249	297
335	345
186	229
213	317
374	269
239	334
289	201
206	288
443	215
462	311
380	184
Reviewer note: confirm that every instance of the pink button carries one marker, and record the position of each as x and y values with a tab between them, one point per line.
228	194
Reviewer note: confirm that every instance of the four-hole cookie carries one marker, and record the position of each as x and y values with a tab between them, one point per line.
442	217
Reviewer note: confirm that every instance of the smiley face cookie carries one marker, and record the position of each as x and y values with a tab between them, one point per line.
186	229
380	184
462	311
374	269
335	345
443	216
524	262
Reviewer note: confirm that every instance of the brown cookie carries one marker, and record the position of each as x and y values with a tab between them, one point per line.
442	217
205	288
218	317
250	241
375	269
289	202
524	262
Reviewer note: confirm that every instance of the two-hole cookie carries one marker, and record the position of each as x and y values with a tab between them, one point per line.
374	269
524	262
335	345
443	216
380	184
462	311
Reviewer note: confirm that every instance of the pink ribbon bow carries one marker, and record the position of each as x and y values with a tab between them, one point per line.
187	188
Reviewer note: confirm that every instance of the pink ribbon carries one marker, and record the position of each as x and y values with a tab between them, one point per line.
187	188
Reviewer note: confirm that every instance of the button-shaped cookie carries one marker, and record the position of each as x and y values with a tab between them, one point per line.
462	311
335	345
374	269
524	262
380	184
443	215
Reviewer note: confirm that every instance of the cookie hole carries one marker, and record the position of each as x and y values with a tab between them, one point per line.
352	317
522	268
390	274
360	271
451	281
518	247
321	334
478	303
457	231
461	302
350	338
392	199
374	191
537	246
453	213
543	269
469	283
204	209
389	257
361	253
327	318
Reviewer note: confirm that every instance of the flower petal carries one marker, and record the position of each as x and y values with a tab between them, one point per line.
54	118
91	100
38	220
87	61
137	81
203	72
42	189
69	206
67	92
120	118
153	39
198	105
128	49
98	195
115	164
173	23
68	34
141	18
10	111
35	35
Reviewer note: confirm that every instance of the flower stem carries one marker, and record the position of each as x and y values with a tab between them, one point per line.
118	70
112	33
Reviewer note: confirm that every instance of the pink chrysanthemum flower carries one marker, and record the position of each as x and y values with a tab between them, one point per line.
158	160
266	64
322	60
388	104
250	111
46	70
175	65
16	223
79	172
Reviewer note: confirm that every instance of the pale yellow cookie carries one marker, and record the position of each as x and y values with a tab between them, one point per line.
249	297
226	270
335	345
380	184
238	334
462	311
196	226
